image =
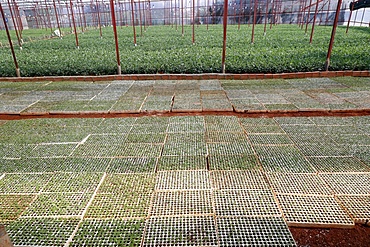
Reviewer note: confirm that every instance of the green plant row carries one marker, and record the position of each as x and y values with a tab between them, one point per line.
162	49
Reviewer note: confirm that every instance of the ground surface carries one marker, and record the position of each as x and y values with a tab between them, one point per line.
185	180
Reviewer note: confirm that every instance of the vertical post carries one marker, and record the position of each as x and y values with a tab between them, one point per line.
74	24
240	13
140	22
133	21
115	36
308	16
266	16
335	24
17	70
254	19
327	14
48	16
150	14
193	31
176	15
68	15
226	4
57	19
15	26
98	12
83	14
314	20
272	13
19	20
182	18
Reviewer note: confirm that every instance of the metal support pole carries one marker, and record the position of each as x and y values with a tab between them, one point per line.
350	16
335	24
115	36
314	20
57	19
140	22
182	17
266	16
133	21
254	19
17	70
308	17
226	4
193	31
98	12
15	26
74	24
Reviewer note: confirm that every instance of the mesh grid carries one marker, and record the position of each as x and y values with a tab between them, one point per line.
132	165
294	121
313	211
183	180
184	149
185	127
324	149
231	148
12	206
73	182
184	137
260	129
293	183
182	163
338	164
148	128
187	119
257	121
128	183
112	232
223	127
141	150
238	180
145	138
182	203
53	150
348	184
245	203
98	150
233	162
58	204
254	231
226	137
357	207
180	231
23	183
270	139
41	232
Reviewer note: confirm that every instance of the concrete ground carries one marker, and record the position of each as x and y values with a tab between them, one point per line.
182	163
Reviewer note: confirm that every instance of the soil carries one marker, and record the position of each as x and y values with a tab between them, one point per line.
359	236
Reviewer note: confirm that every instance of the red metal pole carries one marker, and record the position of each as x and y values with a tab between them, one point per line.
193	31
272	13
83	14
335	24
17	70
133	21
15	26
115	36
140	22
254	19
327	13
176	15
56	16
48	16
19	20
314	21
226	4
308	16
74	24
150	14
240	13
182	17
98	12
266	16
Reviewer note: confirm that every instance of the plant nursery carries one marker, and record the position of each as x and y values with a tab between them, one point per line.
147	123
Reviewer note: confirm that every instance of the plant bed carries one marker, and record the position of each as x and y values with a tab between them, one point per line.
182	163
23	183
12	206
233	162
233	180
183	180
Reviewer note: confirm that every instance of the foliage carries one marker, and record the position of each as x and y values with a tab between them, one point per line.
162	49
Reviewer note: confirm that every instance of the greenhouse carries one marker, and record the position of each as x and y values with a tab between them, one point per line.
191	123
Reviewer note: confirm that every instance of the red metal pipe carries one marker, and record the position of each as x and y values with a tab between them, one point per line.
314	21
56	16
240	13
308	16
254	19
19	20
15	26
48	16
140	22
74	24
193	31
266	17
223	66
335	24
133	21
17	70
115	36
182	17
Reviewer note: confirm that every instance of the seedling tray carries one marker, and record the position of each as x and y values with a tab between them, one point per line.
183	180
348	184
182	163
233	162
357	207
231	180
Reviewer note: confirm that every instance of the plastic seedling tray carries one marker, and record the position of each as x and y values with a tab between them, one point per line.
41	231
296	183
231	180
98	151
360	139
313	211
269	139
257	121
73	182
127	183
186	127
294	121
323	149
148	128
156	106
254	231
224	127
231	148
337	164
58	205
23	183
233	162
182	163
112	232
53	150
357	207
180	231
259	202
145	138
348	184
260	129
185	149
186	119
172	203
132	165
183	180
216	136
12	206
15	150
140	150
192	137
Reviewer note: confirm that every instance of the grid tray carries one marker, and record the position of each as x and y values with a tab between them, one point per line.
23	183
12	206
357	207
180	231
238	180
254	231
348	184
245	203
313	211
183	180
182	163
338	164
132	165
194	202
